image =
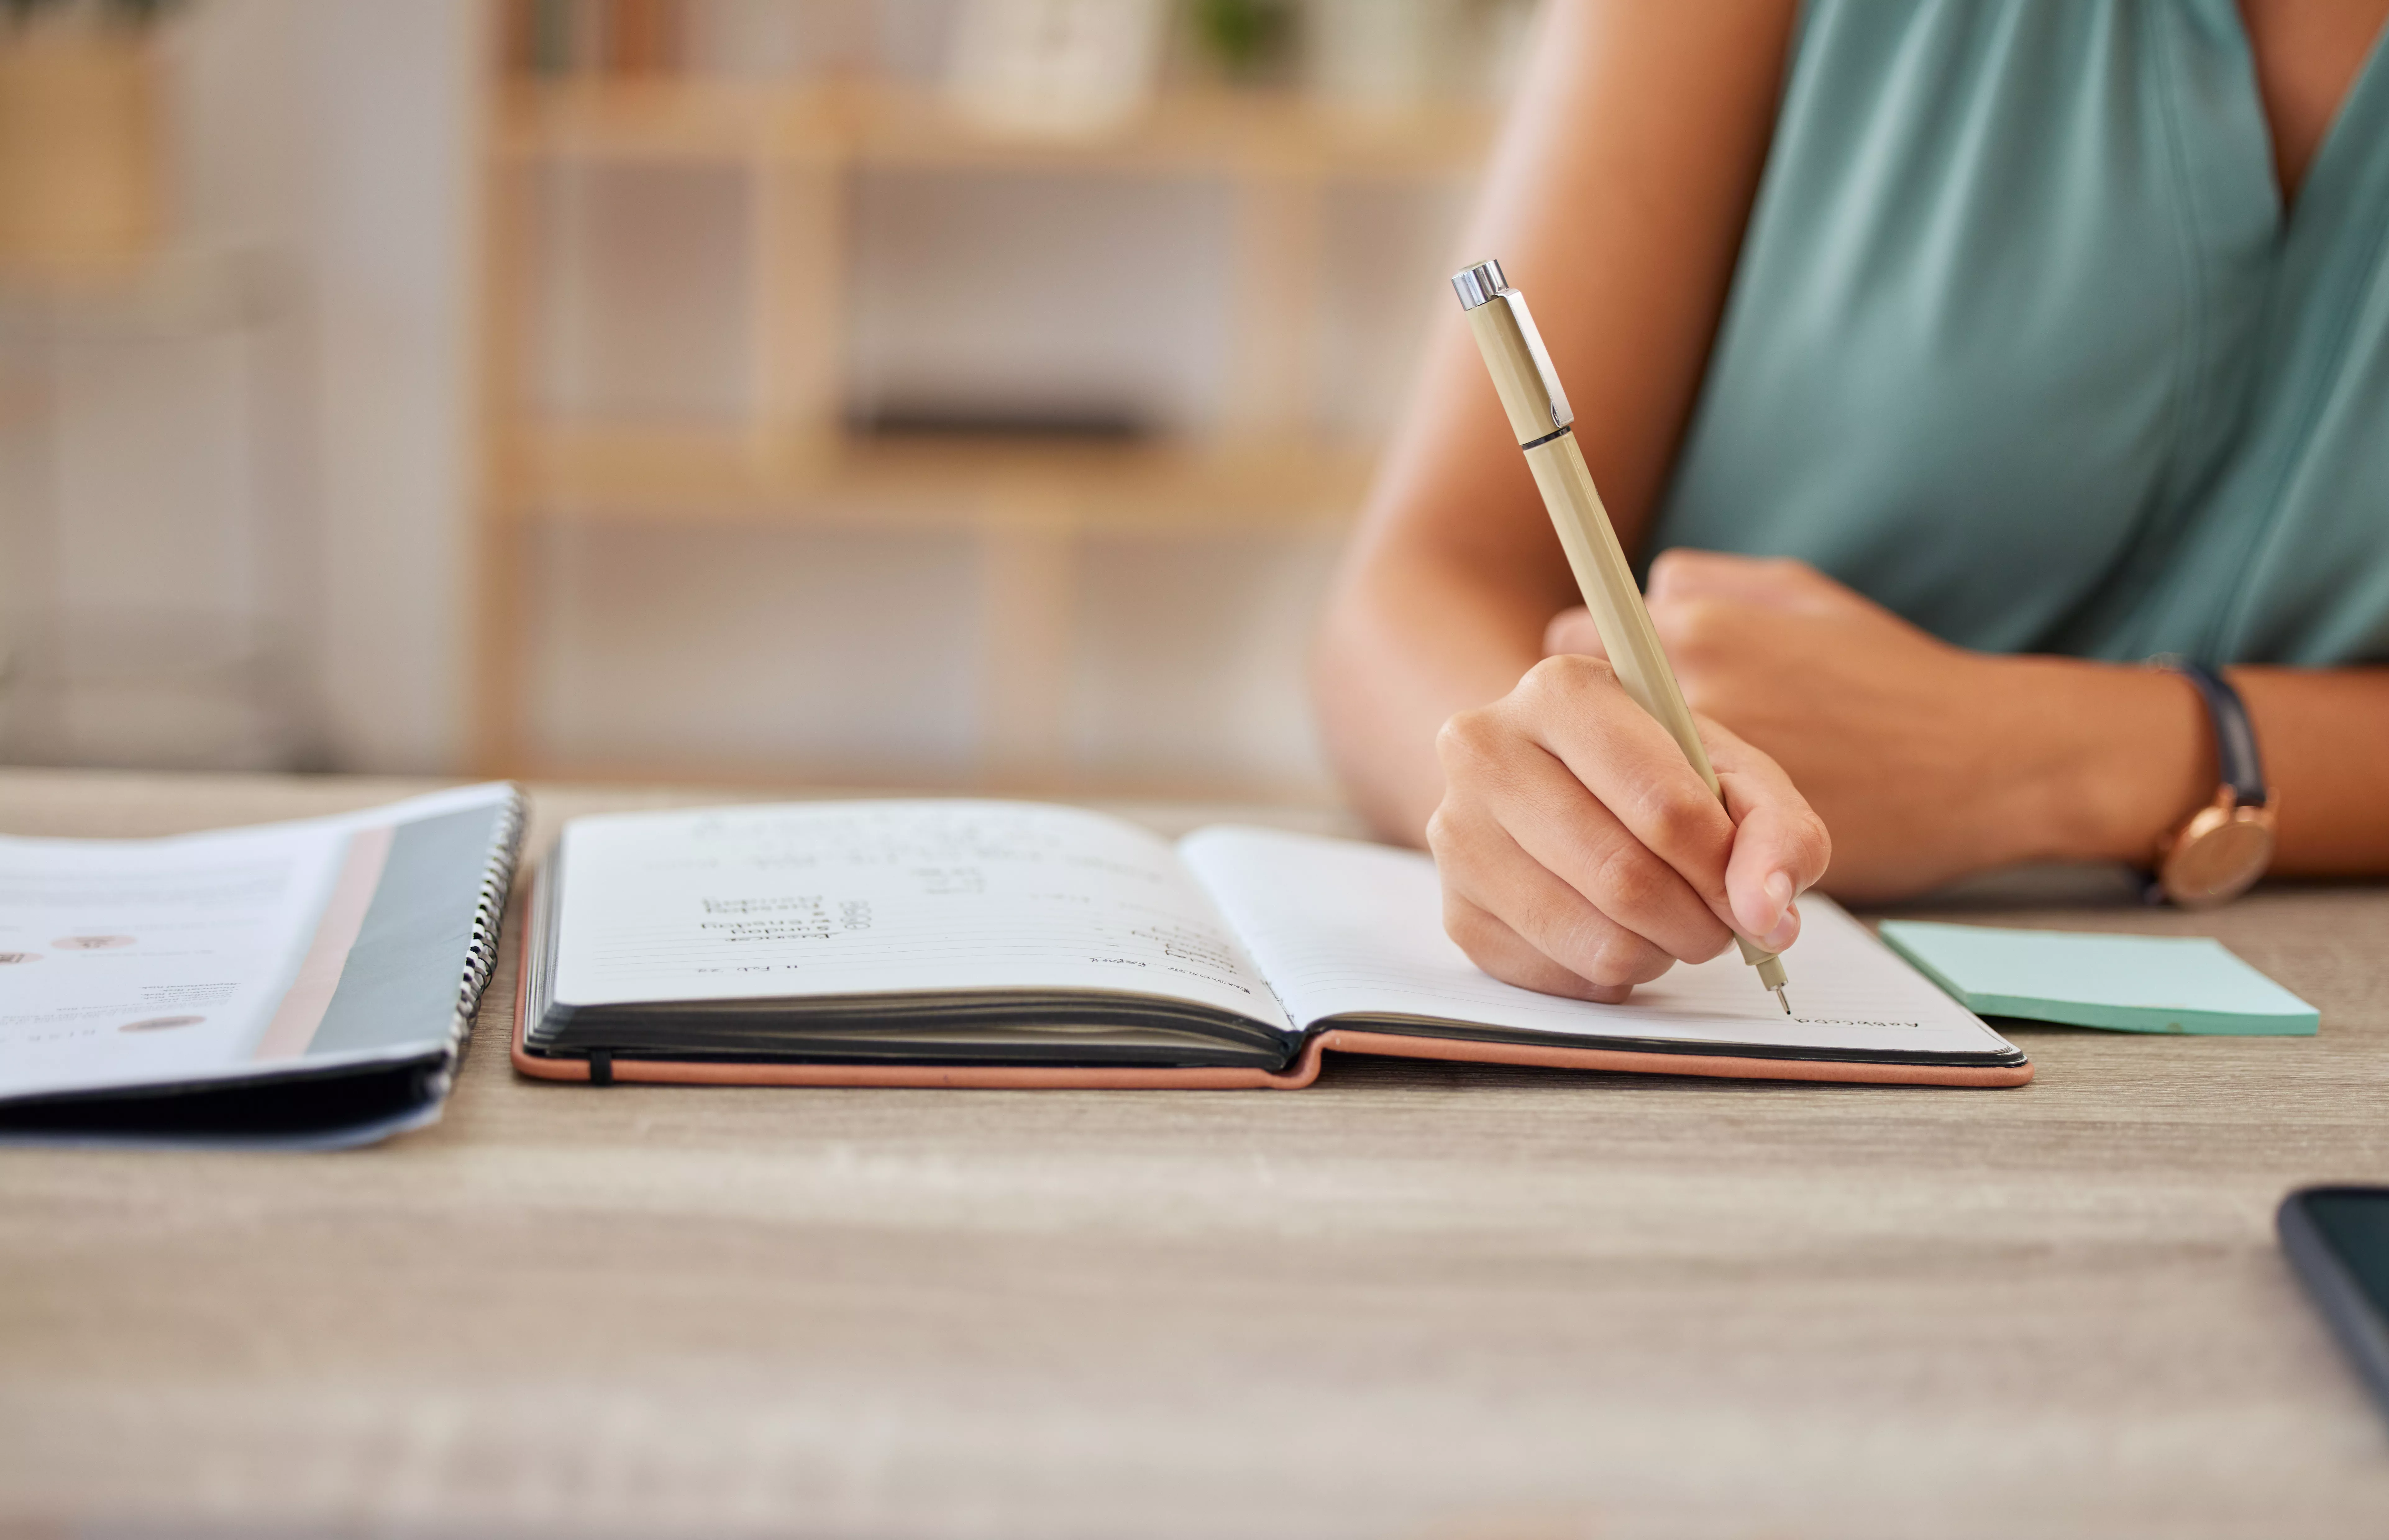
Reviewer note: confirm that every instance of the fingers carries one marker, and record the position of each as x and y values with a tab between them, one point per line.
1521	837
1781	847
1509	956
1580	853
1573	631
1560	826
1629	765
1682	576
1506	910
1561	869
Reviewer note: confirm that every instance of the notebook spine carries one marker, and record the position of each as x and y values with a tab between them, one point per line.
490	906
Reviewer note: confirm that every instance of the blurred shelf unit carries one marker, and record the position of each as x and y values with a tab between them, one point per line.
881	125
929	481
792	458
801	145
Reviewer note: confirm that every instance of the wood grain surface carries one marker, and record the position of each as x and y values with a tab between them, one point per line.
1412	1300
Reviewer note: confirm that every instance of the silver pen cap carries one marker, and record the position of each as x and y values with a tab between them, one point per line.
1480	285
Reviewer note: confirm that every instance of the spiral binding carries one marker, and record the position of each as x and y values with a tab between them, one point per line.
489	907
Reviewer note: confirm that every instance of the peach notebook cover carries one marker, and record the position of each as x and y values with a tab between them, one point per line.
671	947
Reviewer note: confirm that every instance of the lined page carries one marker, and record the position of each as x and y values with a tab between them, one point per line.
1342	929
870	898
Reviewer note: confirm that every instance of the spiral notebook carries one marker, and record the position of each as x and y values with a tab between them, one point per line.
305	983
1011	944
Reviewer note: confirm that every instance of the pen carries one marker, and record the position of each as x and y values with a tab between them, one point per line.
1538	415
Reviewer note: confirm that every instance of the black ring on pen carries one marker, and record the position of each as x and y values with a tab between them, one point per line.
1554	433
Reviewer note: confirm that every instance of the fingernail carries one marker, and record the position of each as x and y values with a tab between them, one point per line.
1777	891
1786	927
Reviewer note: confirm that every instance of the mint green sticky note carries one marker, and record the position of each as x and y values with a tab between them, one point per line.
2130	984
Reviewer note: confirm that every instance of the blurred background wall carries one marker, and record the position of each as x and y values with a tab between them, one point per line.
919	392
272	394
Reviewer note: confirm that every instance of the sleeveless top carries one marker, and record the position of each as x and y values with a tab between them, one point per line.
2021	345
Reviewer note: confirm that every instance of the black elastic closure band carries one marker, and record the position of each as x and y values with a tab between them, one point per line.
1554	433
601	1067
2235	738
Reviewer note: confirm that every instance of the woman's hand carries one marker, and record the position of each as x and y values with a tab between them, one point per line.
1581	854
1926	760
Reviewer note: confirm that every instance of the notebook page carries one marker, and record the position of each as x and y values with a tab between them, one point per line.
1340	928
871	898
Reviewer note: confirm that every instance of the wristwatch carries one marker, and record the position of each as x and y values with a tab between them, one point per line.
2227	845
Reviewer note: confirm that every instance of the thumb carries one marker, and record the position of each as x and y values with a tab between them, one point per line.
1781	847
1572	632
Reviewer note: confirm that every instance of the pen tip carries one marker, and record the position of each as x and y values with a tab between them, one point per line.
1784	1000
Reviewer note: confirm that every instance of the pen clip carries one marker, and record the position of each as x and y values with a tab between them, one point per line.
1481	284
1561	414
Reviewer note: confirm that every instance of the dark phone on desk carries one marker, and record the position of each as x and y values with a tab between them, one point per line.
2337	1240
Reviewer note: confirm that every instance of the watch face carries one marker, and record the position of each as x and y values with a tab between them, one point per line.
2218	859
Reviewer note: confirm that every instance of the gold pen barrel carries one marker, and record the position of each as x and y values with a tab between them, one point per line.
1607	582
1540	417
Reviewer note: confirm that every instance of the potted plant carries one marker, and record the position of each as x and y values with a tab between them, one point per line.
81	186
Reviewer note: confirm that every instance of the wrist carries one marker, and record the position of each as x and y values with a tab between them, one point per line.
2112	759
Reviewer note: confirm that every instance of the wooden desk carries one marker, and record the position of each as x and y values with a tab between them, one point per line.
1414	1300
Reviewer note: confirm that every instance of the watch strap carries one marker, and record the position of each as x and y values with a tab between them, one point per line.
2235	737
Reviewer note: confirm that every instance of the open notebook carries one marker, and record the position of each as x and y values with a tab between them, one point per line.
985	943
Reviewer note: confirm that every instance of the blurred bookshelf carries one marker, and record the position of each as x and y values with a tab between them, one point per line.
577	87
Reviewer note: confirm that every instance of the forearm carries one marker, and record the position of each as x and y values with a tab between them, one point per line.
2324	734
1928	762
2133	757
1407	644
1619	195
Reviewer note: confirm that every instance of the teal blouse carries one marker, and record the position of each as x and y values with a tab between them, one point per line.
2020	344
